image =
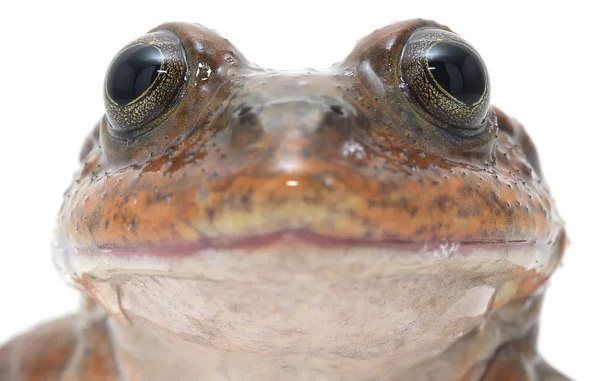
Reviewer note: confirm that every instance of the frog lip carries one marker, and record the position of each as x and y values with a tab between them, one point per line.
256	242
267	253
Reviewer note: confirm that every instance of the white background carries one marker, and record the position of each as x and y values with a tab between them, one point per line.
544	64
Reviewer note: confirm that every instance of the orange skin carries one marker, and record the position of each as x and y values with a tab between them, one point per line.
333	156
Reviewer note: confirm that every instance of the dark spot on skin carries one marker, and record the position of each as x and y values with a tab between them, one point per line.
463	213
444	203
420	231
210	213
245	199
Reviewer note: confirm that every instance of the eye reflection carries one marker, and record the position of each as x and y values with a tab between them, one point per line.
457	70
447	78
133	72
144	83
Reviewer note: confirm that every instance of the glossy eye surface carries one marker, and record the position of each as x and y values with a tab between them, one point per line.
132	73
448	78
457	70
144	83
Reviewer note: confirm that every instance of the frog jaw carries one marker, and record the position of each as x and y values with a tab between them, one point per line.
271	281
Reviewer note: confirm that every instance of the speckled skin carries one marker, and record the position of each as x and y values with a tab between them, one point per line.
335	158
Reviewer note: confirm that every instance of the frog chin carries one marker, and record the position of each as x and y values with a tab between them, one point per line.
351	301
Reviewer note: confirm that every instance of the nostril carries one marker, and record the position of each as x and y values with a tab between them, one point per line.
337	109
335	116
246	115
244	110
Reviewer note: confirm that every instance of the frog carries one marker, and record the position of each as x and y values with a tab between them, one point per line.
377	220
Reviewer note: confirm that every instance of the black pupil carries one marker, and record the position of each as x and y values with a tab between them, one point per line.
458	70
132	73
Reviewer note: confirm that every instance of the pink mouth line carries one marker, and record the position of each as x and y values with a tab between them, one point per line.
292	236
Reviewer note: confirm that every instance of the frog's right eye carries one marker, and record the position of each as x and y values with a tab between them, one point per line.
144	83
448	79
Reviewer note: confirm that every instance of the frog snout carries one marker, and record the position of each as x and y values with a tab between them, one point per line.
294	124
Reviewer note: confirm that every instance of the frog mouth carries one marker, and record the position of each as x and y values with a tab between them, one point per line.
290	261
284	276
290	237
281	245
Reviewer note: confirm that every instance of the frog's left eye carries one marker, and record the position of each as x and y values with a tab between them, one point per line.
144	83
448	78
